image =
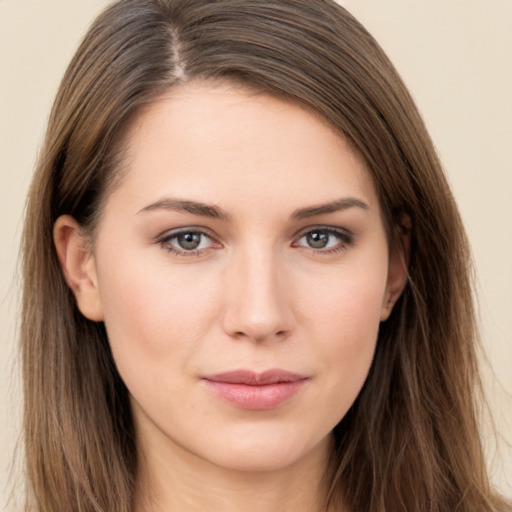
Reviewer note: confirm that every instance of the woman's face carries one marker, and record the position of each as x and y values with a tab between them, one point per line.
242	270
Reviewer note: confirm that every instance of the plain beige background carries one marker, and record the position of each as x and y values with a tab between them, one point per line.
455	56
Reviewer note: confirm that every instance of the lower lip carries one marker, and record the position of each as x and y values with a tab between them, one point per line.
263	397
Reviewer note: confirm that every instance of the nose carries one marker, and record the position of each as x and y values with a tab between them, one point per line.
258	305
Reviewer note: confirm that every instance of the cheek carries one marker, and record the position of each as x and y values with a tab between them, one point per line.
348	302
154	314
344	316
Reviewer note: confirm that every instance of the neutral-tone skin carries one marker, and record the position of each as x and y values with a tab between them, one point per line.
274	283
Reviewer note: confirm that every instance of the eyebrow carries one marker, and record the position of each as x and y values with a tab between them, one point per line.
214	212
193	207
331	207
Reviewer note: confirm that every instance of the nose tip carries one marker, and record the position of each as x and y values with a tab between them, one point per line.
257	317
258	306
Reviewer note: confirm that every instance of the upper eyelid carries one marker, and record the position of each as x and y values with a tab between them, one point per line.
345	237
171	233
165	242
320	227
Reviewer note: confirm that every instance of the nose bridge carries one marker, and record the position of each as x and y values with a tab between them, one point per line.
258	307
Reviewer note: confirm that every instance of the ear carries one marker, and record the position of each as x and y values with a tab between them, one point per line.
78	265
398	263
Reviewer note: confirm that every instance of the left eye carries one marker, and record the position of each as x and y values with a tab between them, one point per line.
187	241
321	239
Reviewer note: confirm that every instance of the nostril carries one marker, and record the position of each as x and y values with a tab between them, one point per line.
259	336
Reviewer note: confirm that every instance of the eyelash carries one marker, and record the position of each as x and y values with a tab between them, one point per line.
165	242
345	239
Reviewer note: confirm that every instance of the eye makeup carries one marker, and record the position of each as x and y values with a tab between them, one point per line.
324	239
188	241
194	241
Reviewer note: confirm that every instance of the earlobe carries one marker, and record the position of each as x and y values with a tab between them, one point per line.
397	271
78	266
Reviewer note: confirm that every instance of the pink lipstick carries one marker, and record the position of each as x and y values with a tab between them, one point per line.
246	389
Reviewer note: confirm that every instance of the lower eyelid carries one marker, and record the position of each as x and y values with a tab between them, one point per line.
168	242
343	236
344	239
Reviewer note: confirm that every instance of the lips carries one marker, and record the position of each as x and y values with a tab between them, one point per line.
246	389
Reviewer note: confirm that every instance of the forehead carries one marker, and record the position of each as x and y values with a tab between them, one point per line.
223	143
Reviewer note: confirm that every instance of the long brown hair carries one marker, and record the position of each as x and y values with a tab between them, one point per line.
410	442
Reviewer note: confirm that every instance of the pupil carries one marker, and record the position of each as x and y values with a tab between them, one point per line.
317	239
189	241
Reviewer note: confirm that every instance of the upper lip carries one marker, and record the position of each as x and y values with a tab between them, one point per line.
253	378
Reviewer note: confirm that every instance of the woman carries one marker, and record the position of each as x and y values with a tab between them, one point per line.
259	281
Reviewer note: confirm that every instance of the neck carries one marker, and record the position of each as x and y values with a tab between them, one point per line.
176	479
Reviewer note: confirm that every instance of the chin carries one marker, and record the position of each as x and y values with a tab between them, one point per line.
267	451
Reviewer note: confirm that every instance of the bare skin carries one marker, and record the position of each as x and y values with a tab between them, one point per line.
246	236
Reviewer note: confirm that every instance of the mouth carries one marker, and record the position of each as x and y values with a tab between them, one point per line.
250	390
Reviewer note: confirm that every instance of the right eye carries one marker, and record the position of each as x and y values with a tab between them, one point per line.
187	242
